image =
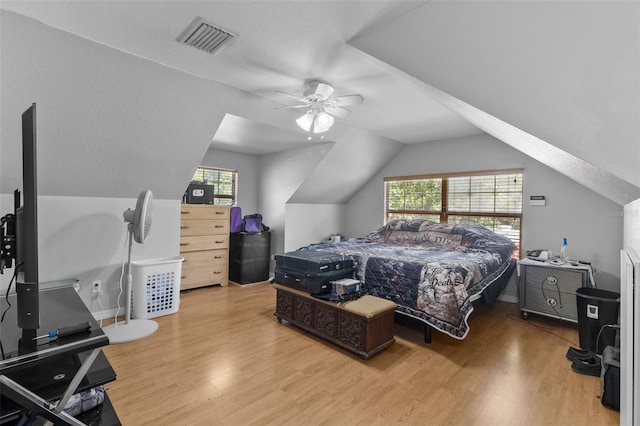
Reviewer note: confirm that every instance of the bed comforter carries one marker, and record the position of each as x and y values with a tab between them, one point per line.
432	271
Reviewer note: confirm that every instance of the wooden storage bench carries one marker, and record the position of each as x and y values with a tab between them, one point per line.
363	326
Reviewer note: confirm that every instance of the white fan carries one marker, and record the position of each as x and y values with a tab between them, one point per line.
321	106
138	225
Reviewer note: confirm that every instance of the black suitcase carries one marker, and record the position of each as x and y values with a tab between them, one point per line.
318	283
611	377
313	262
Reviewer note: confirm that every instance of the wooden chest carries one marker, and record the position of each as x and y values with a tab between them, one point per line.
363	326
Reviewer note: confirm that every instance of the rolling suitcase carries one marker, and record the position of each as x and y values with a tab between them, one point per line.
313	262
319	283
311	271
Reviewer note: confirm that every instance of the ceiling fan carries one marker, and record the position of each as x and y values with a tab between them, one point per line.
322	107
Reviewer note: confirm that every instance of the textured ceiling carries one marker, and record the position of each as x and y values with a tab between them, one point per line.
279	46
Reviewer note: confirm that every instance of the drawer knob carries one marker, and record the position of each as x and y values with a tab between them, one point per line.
219	212
552	280
184	244
184	276
218	257
219	242
185	212
184	227
219	226
218	272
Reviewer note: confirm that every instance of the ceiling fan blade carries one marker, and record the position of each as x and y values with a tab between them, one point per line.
323	90
336	110
347	100
293	106
298	98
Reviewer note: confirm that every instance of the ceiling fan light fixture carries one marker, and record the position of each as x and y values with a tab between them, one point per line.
306	120
322	122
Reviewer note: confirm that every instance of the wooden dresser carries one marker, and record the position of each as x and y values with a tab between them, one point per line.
204	245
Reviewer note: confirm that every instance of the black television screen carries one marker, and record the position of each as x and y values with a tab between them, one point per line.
27	229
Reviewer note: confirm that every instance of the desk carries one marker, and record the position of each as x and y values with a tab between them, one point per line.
31	375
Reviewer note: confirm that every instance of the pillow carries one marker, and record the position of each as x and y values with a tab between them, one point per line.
425	237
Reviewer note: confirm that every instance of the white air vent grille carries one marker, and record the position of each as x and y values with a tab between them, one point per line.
206	36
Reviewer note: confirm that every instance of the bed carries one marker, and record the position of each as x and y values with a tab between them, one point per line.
432	271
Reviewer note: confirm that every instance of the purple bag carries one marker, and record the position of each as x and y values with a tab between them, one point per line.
253	223
235	219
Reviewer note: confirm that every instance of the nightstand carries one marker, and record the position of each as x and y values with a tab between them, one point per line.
548	289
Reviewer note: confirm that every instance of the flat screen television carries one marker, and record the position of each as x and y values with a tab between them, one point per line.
27	229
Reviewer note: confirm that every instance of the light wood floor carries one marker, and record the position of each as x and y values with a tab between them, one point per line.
224	359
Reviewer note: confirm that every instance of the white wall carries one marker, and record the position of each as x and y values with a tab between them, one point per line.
311	223
248	175
591	223
83	238
280	176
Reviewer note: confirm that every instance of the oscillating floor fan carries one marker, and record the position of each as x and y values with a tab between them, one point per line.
138	226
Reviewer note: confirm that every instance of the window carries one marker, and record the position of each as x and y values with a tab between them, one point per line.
492	199
223	180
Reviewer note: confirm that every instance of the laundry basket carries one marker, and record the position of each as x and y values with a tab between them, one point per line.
155	287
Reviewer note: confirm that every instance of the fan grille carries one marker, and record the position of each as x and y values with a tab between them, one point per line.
206	36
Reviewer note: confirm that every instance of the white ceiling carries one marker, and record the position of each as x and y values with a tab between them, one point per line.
280	44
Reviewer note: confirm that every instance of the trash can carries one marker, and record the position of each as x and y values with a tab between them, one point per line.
597	309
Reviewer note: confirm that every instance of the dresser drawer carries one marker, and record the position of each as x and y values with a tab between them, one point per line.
204	242
191	227
547	300
568	281
195	211
202	258
199	277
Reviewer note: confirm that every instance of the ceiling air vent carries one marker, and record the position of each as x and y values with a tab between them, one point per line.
205	36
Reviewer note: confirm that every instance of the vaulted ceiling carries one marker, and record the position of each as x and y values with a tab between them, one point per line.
565	74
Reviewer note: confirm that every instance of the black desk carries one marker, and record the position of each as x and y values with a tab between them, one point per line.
31	375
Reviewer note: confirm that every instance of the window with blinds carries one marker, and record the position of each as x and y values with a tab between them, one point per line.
223	180
492	199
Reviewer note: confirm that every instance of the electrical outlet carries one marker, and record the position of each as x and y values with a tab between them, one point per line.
97	287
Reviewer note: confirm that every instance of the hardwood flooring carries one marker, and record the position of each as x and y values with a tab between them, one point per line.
223	359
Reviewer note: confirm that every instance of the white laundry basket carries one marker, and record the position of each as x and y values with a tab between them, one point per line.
155	287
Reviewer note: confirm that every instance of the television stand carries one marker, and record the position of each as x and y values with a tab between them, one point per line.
31	376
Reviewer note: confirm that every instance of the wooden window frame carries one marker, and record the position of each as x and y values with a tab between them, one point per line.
227	199
444	212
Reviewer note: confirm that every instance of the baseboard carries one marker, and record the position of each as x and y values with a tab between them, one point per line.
100	315
508	299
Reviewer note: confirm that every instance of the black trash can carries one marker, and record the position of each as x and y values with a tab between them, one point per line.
597	309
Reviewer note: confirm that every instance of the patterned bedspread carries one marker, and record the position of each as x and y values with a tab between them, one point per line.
431	270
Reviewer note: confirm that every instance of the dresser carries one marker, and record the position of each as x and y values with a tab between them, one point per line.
204	245
550	289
